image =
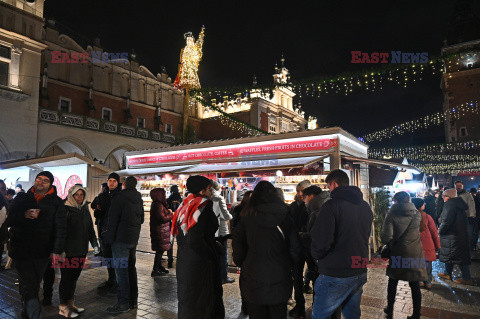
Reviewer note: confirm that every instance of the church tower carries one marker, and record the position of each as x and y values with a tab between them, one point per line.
461	79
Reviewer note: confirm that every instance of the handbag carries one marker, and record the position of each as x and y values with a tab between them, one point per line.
386	251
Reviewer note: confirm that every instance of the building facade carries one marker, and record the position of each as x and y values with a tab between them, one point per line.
461	79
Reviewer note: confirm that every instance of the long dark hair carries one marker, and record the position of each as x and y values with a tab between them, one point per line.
245	199
263	193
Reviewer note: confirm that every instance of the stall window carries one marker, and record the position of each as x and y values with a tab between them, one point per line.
141	122
64	104
5	59
106	114
168	128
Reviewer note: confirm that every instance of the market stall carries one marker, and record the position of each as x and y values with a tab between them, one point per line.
239	164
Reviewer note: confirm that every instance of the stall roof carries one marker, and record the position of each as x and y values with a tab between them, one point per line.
376	162
52	161
270	164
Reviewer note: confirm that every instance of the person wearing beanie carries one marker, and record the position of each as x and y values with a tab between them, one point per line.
19	189
194	224
299	214
430	240
101	206
125	219
38	229
454	237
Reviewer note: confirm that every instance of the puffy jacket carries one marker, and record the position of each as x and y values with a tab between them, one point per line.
313	209
160	218
36	238
173	201
401	230
342	230
221	211
265	246
125	218
468	199
429	237
79	226
453	233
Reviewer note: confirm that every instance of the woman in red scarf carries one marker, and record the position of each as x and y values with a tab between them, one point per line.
199	286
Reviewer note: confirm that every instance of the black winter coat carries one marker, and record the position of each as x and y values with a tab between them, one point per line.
431	206
101	206
342	230
173	201
453	233
79	231
266	254
125	218
36	238
299	215
199	286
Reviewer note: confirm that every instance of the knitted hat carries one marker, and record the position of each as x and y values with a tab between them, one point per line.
418	202
216	185
451	192
196	183
19	186
114	176
48	175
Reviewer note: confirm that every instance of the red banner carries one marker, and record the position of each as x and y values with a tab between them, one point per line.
242	152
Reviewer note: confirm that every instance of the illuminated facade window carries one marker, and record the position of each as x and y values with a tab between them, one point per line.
5	60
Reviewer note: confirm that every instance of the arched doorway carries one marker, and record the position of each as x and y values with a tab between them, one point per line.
116	159
67	145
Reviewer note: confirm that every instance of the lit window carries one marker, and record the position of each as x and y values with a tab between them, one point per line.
168	128
106	114
5	59
141	122
65	105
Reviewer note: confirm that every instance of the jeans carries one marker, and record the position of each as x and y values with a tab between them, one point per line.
465	269
126	274
416	294
267	312
429	273
223	258
30	274
332	292
70	275
107	253
298	283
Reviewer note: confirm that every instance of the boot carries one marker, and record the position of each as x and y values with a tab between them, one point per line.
388	312
66	312
162	269
71	304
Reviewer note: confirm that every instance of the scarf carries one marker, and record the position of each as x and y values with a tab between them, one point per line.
187	214
39	197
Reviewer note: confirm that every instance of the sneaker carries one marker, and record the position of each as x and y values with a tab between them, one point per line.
117	309
156	273
228	280
445	276
463	282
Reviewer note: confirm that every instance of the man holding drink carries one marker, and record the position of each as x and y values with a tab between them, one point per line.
38	230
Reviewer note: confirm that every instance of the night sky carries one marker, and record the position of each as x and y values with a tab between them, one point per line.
243	39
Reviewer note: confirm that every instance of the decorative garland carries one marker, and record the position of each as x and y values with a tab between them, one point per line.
423	123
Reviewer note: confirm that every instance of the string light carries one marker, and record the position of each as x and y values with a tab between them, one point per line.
424	150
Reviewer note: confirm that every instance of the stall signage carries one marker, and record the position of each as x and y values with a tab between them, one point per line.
243	151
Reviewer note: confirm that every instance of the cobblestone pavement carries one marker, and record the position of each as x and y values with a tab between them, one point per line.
157	297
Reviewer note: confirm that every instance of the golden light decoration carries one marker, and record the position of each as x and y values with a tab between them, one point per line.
190	58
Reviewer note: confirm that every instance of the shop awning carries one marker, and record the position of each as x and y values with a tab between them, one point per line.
269	164
408	168
152	171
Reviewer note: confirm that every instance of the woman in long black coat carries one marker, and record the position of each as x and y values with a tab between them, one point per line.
160	218
199	286
265	246
454	237
401	231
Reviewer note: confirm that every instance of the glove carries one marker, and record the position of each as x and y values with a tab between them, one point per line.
96	250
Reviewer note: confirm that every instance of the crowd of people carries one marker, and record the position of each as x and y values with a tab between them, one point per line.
307	247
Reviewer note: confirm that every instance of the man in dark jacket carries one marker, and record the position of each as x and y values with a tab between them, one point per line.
101	206
314	199
38	223
454	238
298	212
430	205
340	233
125	219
